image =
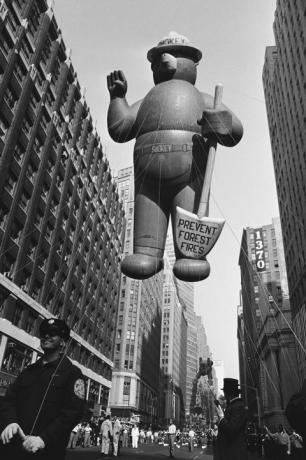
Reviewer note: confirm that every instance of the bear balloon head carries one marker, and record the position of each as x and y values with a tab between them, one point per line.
174	58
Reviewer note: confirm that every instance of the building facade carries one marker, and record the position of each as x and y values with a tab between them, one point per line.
173	352
203	348
185	292
203	390
135	381
284	79
61	220
267	352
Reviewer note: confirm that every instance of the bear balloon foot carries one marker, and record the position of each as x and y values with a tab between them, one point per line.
191	269
141	266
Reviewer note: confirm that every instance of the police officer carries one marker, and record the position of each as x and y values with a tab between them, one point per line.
231	440
44	403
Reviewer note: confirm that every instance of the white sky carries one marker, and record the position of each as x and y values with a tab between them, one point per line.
232	34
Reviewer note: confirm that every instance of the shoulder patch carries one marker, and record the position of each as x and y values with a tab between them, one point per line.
79	388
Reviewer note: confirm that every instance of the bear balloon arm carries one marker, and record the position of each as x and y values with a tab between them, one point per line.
221	125
121	119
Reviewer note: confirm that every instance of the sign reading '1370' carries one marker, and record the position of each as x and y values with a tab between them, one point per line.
259	250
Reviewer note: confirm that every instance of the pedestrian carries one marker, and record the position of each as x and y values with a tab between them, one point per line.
231	441
191	436
45	402
125	437
296	414
149	436
107	433
282	439
116	435
74	436
172	435
214	434
297	446
135	436
87	434
142	436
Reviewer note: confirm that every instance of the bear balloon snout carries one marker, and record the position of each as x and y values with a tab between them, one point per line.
168	61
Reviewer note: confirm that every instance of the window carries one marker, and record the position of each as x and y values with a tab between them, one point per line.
30	323
16	357
16	320
10	98
126	386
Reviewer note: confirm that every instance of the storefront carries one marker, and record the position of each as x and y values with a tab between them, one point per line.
17	350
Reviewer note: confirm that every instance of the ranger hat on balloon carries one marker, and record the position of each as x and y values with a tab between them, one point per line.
174	43
54	326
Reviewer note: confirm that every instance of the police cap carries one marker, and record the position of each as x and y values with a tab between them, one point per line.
54	326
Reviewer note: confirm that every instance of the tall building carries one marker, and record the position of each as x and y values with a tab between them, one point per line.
173	352
268	368
203	348
284	85
203	382
185	292
135	381
61	220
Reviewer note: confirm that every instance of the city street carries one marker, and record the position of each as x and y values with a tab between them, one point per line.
146	452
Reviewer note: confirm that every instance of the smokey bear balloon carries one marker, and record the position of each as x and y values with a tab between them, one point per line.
173	126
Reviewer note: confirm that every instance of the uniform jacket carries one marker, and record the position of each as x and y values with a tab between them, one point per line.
231	439
46	400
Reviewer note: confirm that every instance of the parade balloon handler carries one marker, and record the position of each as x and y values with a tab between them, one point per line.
231	440
44	403
174	126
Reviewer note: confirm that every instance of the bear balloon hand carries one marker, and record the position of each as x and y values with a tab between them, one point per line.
117	84
216	124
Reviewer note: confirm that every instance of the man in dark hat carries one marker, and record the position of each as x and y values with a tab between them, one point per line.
231	439
44	403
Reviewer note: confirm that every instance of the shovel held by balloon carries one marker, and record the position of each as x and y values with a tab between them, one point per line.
196	234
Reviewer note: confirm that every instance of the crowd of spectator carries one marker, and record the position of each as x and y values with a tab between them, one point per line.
96	431
275	444
269	443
